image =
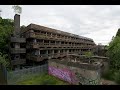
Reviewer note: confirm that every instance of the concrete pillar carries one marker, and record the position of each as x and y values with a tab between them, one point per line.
46	51
52	51
51	34
58	51
17	25
55	42
35	41
39	52
67	51
60	42
17	45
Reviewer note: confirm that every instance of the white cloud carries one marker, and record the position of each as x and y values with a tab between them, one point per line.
99	22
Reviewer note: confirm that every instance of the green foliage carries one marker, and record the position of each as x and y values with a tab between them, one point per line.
41	79
118	32
114	53
114	57
3	60
109	75
89	54
113	75
6	29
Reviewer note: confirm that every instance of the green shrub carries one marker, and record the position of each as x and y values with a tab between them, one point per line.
109	75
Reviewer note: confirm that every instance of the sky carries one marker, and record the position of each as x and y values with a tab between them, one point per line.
98	22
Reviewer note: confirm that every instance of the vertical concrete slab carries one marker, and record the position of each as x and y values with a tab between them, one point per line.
16	25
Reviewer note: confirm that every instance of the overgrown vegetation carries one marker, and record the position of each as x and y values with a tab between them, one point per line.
41	79
3	60
6	29
114	57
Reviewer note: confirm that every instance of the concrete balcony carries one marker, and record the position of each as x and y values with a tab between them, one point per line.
18	62
17	50
36	58
45	45
20	40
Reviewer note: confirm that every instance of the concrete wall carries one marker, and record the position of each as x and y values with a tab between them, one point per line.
74	75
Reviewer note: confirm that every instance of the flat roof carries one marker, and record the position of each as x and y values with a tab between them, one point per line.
48	29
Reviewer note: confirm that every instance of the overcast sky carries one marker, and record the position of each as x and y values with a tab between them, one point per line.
99	22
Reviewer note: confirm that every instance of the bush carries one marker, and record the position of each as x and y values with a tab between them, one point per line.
113	75
109	75
117	77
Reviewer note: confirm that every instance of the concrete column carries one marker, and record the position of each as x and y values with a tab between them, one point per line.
67	51
52	51
51	35
17	45
35	41
58	51
55	42
46	51
39	52
17	25
60	42
49	42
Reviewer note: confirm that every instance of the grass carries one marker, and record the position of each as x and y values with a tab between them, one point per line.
42	79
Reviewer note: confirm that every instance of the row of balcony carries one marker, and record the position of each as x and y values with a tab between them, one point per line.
32	35
18	62
18	50
50	55
45	56
37	45
16	39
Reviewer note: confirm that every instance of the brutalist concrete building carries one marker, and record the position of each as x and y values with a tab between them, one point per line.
36	44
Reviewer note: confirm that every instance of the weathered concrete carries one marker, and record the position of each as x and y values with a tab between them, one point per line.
74	74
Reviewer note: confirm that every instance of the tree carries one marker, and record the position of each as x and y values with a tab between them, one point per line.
17	9
88	55
118	32
114	53
3	60
6	29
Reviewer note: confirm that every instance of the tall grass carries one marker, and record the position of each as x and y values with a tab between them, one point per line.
41	79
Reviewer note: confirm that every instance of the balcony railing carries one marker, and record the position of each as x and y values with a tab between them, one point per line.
20	40
42	36
17	50
45	56
37	45
19	61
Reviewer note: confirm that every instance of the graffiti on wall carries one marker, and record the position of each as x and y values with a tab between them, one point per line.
85	80
71	77
64	74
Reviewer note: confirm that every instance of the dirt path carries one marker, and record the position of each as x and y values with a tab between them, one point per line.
107	82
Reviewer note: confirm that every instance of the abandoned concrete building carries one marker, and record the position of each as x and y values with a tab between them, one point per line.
37	43
62	53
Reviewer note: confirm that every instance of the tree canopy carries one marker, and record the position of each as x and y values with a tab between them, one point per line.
114	53
6	29
118	32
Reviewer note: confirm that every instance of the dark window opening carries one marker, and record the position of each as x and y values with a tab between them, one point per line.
22	56
12	45
22	45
